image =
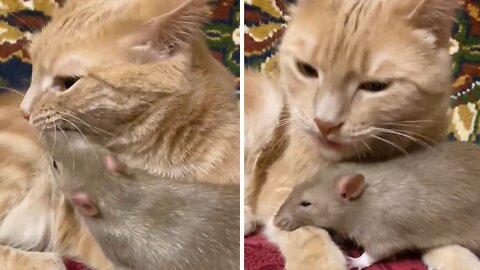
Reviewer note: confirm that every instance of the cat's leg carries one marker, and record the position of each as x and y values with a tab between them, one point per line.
16	259
250	222
308	248
305	248
451	258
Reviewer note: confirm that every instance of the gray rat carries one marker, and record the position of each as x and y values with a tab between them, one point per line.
143	222
427	199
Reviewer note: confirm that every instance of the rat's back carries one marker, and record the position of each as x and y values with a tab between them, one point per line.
428	196
175	225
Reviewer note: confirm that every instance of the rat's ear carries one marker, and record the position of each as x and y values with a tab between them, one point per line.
114	165
171	32
351	187
84	204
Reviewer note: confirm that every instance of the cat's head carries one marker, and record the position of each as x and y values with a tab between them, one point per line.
362	75
88	36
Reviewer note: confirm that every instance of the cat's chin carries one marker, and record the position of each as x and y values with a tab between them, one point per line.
334	151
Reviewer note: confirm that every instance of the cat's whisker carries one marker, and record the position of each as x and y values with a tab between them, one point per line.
84	137
390	143
284	137
41	131
392	132
71	148
23	21
403	125
88	125
280	141
283	123
367	146
12	90
356	152
417	134
54	138
419	121
5	110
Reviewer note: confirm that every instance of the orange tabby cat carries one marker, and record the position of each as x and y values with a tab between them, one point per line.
362	79
135	76
80	78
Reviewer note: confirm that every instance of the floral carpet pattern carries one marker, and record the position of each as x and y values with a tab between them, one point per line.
265	22
20	18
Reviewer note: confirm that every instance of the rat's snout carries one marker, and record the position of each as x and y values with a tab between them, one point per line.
286	223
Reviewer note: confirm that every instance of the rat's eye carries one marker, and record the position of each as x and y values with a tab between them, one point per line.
374	86
305	204
55	165
307	70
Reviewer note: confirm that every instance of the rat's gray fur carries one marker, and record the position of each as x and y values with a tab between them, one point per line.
148	223
430	198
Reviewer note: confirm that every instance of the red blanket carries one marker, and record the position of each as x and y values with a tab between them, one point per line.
74	266
262	255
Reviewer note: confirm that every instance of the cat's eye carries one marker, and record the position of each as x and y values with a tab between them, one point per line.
374	86
305	203
307	70
54	164
69	81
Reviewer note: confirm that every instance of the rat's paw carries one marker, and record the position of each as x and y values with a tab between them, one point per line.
250	223
361	262
355	264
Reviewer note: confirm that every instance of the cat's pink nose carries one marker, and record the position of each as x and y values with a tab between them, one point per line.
326	127
26	115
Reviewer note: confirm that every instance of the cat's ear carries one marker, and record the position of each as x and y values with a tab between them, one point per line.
351	187
434	18
170	32
113	165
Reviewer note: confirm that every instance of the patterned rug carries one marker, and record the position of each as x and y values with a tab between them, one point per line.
19	18
265	23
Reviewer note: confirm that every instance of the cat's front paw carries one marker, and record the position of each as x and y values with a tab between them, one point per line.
24	260
451	258
250	224
48	261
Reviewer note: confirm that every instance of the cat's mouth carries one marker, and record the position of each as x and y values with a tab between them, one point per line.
332	144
